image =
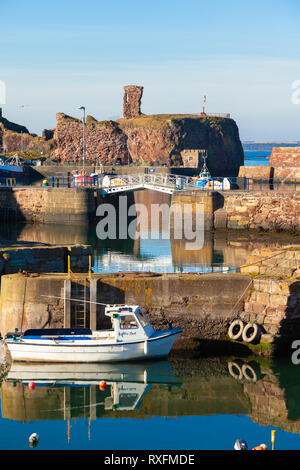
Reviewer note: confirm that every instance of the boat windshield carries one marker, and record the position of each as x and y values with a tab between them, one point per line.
142	319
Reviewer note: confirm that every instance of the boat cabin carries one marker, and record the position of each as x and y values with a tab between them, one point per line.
129	322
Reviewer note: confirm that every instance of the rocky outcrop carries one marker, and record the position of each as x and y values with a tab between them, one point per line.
12	126
105	141
16	138
161	138
151	139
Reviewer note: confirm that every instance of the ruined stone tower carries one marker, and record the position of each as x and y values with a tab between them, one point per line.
132	101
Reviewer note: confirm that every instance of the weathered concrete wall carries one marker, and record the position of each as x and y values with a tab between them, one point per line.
189	300
48	205
38	259
24	305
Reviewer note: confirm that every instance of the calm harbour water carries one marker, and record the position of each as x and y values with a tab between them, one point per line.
199	403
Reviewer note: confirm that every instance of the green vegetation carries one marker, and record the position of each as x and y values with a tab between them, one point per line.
26	155
160	121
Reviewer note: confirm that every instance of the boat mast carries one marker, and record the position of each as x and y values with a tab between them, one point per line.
204	169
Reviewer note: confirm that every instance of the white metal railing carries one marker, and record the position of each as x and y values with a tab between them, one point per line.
170	181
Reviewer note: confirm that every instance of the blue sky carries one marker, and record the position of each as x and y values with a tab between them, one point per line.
243	55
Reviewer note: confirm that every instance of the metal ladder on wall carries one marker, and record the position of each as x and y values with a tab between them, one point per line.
80	290
80	311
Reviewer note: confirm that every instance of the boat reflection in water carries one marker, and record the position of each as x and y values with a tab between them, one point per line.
68	374
52	392
181	388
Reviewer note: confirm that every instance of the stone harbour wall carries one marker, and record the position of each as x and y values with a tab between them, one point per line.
47	205
274	298
285	157
258	211
240	210
274	175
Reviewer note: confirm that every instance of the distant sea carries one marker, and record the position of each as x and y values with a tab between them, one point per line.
256	158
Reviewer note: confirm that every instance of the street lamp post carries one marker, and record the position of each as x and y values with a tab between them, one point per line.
83	136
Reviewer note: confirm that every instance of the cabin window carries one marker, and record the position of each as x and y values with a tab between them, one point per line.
128	322
127	400
141	318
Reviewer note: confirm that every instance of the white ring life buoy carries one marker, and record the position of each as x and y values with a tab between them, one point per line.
251	333
236	329
251	377
232	366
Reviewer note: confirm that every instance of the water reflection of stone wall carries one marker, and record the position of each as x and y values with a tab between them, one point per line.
273	394
267	393
229	249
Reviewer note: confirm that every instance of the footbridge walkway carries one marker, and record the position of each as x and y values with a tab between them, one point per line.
156	182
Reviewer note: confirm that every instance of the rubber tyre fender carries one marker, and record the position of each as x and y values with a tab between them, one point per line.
234	325
251	333
251	377
232	366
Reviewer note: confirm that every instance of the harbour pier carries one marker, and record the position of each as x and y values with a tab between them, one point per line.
241	209
265	292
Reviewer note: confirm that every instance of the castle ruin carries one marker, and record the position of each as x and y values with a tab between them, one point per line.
132	101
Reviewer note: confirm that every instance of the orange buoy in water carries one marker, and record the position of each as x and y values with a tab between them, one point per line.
31	385
261	447
102	385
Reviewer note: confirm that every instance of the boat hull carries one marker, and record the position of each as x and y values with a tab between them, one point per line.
89	351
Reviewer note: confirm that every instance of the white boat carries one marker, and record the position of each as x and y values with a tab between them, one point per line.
131	338
207	182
